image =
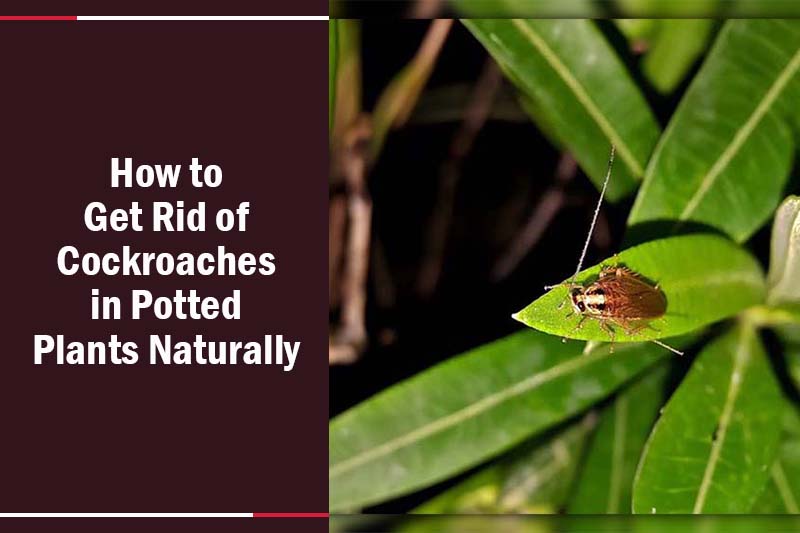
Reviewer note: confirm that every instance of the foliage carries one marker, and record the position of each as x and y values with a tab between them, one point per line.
717	437
545	426
467	410
724	159
570	74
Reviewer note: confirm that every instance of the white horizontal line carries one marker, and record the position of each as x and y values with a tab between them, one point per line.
204	17
126	515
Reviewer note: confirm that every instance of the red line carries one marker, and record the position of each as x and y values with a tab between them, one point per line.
38	18
291	515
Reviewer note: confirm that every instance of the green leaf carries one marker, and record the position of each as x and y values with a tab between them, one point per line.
775	316
636	30
446	104
398	99
792	355
789	334
534	478
784	262
332	54
538	482
466	410
526	9
705	278
606	480
782	493
580	89
712	449
675	46
725	157
631	9
347	106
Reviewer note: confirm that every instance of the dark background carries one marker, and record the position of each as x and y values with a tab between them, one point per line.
163	438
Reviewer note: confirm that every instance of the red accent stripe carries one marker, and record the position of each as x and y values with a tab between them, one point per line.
74	17
291	515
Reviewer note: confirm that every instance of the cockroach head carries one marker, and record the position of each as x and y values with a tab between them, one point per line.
576	297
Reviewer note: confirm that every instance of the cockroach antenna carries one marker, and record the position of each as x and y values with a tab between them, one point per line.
593	224
596	213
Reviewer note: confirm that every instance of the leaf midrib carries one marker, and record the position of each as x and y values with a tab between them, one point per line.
741	359
470	411
583	97
745	277
561	457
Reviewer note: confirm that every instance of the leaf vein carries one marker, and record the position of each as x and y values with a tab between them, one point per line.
734	387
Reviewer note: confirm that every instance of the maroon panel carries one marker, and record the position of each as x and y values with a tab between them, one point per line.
247	96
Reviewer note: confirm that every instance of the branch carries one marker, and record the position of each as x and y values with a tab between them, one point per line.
348	341
475	116
542	215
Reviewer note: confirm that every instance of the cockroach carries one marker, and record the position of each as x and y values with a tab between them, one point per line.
619	297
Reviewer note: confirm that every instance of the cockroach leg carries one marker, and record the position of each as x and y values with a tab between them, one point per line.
631	329
550	287
579	325
605	326
648	325
610	269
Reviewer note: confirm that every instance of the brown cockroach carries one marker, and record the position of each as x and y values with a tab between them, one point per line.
619	297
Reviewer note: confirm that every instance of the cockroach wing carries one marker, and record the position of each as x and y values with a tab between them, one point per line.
629	297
